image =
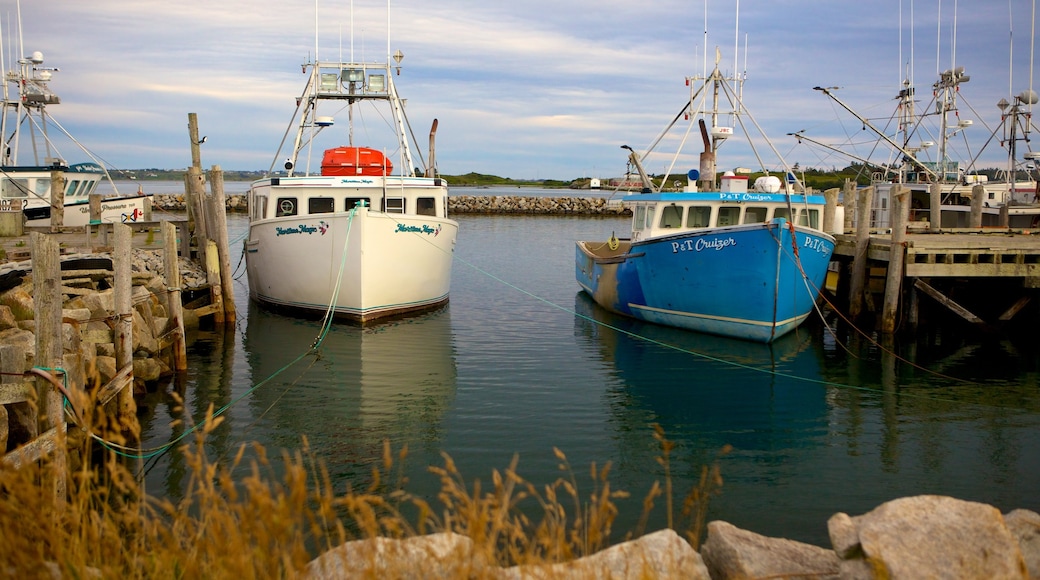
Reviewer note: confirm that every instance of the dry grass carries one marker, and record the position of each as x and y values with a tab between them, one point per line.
267	526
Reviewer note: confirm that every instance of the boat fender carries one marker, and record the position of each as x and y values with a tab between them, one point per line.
613	242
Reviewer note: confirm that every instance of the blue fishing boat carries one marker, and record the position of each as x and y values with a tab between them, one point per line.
720	258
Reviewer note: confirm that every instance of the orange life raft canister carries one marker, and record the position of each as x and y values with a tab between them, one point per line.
355	161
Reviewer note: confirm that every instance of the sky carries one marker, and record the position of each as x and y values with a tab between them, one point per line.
536	89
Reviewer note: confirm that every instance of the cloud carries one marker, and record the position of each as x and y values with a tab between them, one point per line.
533	89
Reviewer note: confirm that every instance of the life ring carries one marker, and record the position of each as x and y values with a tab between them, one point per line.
287	207
613	243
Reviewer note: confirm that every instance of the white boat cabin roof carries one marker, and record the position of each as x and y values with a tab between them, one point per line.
669	213
278	197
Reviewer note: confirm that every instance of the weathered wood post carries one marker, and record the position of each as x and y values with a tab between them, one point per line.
94	202
216	220
849	201
978	194
193	133
216	292
859	260
173	289
194	186
95	208
896	258
935	207
57	199
123	333
196	200
49	355
830	209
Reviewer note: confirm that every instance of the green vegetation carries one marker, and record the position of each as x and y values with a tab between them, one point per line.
482	180
815	178
271	522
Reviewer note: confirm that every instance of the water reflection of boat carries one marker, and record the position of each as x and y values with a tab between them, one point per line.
711	389
366	384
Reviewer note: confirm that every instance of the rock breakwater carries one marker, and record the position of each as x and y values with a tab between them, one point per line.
467	204
913	537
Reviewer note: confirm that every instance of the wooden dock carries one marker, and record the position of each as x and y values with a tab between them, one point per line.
986	276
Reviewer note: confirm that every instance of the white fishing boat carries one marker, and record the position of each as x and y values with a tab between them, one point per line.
31	161
353	239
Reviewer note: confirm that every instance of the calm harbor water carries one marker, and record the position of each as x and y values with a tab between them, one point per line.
521	362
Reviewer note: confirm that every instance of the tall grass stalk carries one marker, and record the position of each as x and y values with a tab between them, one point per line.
272	522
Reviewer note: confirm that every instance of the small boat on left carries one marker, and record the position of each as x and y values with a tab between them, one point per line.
30	158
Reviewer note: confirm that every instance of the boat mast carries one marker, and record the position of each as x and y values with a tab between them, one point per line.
866	123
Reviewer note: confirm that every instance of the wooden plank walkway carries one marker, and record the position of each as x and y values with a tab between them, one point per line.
981	253
943	264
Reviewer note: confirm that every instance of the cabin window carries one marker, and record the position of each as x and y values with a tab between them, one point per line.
259	207
286	206
729	216
320	205
352	202
781	212
76	188
755	215
810	218
426	206
650	211
43	186
671	216
393	205
638	220
699	216
15	188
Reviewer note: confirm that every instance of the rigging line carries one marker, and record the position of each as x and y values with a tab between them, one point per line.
818	292
277	400
154	451
330	312
722	360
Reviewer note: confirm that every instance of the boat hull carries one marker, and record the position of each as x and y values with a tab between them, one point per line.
118	209
750	282
363	265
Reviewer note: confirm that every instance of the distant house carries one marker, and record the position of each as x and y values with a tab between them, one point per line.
629	181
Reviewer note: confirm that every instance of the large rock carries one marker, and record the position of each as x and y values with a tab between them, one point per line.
22	339
20	301
7	319
143	335
1025	526
661	554
444	555
731	552
927	536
